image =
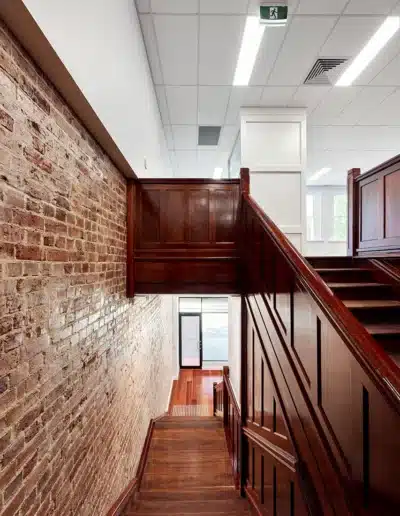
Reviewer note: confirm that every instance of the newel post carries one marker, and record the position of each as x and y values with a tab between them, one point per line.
353	208
130	239
244	181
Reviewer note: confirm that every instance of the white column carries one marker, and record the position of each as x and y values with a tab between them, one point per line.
274	148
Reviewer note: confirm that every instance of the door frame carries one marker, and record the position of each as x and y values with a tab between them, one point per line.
190	314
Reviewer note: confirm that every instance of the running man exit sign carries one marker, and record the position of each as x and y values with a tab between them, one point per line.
275	13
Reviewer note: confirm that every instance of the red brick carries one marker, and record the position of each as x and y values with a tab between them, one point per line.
29	252
27	219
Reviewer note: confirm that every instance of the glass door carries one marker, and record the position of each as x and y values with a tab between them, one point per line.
190	347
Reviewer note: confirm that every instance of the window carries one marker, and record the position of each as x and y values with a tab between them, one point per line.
339	218
314	219
326	210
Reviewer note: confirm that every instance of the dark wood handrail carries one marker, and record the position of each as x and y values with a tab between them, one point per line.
369	354
383	166
229	388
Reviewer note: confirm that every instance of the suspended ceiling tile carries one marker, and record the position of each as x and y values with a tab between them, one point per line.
220	39
223	6
387	114
143	6
390	75
370	6
332	105
321	6
175	6
182	104
277	96
228	137
162	104
150	41
213	101
187	162
381	61
368	99
350	35
169	137
254	7
185	137
309	96
267	54
177	38
306	35
242	96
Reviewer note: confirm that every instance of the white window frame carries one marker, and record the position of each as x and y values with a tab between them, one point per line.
327	195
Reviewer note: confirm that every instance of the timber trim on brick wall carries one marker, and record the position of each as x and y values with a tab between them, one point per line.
21	23
133	487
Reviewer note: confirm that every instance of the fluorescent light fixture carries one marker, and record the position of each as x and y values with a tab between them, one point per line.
218	172
252	36
320	173
386	31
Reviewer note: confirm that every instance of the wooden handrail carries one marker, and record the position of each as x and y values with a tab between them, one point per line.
369	354
229	387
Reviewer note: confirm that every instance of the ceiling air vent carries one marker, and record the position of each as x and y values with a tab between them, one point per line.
324	71
209	135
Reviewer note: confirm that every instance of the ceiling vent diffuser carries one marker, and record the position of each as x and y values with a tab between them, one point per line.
325	71
209	135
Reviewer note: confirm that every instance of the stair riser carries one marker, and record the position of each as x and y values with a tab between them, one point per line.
357	275
377	315
363	293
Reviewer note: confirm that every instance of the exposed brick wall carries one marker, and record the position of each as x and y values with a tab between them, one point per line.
82	369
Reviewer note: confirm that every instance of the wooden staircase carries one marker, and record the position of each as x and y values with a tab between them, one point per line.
188	471
368	294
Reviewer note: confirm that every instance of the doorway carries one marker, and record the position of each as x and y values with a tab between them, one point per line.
203	332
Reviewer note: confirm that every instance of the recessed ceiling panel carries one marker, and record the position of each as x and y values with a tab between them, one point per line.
220	39
182	104
308	96
390	75
368	100
332	104
177	38
209	135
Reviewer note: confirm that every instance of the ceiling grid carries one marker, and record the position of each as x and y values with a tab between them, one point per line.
193	45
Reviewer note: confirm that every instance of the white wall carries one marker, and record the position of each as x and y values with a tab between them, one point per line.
234	343
100	42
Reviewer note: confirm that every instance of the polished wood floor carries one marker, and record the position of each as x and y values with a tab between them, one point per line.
188	471
193	392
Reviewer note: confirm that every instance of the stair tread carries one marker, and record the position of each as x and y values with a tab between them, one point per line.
372	303
342	269
383	329
356	285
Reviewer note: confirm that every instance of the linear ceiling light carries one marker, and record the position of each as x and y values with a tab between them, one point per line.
218	172
387	30
319	173
252	36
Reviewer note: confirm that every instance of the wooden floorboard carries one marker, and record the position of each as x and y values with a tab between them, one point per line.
194	388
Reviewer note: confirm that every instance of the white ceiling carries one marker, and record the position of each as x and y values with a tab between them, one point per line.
193	45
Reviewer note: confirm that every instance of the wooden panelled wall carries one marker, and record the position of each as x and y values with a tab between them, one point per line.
322	422
374	210
184	237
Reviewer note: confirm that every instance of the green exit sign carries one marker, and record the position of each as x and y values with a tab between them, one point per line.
273	13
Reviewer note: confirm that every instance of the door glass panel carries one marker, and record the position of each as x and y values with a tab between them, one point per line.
190	305
215	337
190	340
